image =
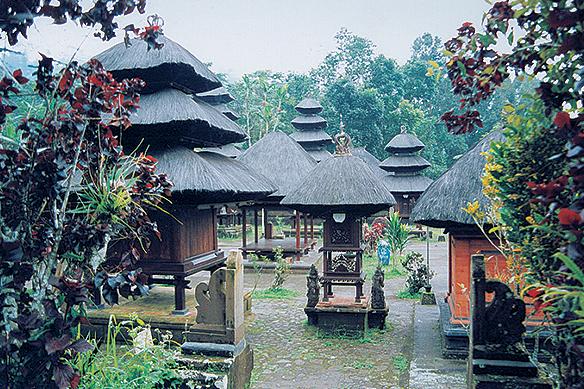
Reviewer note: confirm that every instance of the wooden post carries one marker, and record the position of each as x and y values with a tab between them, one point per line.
180	285
215	234
477	300
255	222
244	226
311	227
304	219
265	223
297	221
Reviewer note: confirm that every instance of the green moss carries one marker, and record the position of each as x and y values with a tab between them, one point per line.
404	294
275	294
400	363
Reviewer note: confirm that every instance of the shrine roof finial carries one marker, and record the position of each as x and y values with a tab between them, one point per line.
342	141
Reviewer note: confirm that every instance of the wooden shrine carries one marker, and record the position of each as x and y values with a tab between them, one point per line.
342	190
441	206
170	123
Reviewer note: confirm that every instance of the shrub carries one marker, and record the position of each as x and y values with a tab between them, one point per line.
282	270
397	235
419	274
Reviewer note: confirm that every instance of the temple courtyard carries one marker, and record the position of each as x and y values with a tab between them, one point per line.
288	353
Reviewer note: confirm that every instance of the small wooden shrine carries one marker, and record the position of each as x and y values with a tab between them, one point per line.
441	206
284	163
172	121
342	190
310	129
404	167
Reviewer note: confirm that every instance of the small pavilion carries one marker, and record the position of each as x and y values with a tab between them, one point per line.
285	164
404	166
310	127
171	122
342	190
441	206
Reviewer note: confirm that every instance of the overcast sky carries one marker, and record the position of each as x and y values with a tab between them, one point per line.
240	36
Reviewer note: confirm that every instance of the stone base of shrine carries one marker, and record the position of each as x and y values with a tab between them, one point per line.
342	314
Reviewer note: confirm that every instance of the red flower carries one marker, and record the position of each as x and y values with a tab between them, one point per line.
568	217
562	120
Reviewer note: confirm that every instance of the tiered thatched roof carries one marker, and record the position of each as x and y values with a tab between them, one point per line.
403	166
171	116
216	96
279	158
172	64
442	203
209	177
310	127
342	183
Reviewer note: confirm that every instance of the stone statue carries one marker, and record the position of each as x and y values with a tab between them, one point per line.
313	286
377	294
342	141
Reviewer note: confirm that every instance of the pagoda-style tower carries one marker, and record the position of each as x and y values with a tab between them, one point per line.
170	123
310	126
404	167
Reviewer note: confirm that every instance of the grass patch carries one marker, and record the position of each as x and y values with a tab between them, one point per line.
370	263
275	294
404	294
400	363
363	365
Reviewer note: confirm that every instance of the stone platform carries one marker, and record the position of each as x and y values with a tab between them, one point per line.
343	314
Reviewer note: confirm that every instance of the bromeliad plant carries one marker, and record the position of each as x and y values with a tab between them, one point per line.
66	189
540	177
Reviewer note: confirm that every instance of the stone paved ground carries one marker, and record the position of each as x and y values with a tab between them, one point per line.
290	354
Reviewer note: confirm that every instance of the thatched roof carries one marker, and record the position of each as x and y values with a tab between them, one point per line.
319	154
225	110
406	184
318	137
341	183
279	158
309	122
370	159
404	143
216	96
204	178
309	106
229	150
170	116
159	68
441	204
404	163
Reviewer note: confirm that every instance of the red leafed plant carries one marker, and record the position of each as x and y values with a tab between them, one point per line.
540	176
66	189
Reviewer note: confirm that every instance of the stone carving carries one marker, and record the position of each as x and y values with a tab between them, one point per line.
211	299
377	294
313	286
505	316
343	263
342	141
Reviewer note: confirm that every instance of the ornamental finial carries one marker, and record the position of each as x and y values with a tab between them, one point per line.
342	140
403	128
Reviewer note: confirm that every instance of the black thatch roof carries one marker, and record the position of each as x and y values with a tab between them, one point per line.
319	154
216	96
370	159
229	150
279	158
171	116
309	106
206	178
225	110
309	122
404	163
441	204
406	184
318	137
343	183
404	143
172	64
